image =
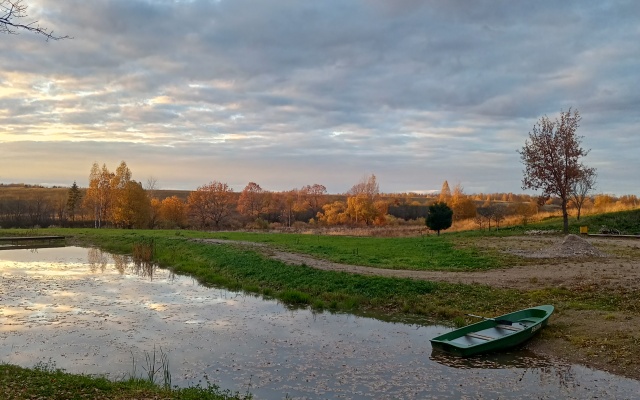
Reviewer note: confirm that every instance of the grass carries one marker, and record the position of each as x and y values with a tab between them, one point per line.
243	268
44	381
407	253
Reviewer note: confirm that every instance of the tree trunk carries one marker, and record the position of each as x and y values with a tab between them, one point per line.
565	217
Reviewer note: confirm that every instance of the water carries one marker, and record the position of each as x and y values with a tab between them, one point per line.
91	312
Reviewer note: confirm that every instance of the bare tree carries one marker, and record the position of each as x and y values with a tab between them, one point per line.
551	157
368	187
151	186
11	14
581	187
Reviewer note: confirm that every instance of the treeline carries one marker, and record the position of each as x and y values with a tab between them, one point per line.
115	199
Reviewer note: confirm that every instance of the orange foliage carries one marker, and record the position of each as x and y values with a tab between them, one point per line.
173	213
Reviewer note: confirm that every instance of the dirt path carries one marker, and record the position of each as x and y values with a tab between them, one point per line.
609	271
599	340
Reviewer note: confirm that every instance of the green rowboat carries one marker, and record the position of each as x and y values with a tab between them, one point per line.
494	334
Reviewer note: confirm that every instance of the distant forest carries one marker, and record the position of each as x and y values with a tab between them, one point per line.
114	199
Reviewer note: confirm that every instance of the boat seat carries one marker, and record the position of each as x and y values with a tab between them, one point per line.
478	336
509	327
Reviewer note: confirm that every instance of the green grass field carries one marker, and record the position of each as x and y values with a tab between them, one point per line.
243	268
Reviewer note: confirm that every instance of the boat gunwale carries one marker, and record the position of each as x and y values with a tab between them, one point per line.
471	346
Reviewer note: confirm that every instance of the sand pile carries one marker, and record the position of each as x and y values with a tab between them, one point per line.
571	246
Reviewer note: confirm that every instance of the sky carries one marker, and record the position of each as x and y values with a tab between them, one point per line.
288	93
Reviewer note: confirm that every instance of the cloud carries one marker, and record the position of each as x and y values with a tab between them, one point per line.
288	93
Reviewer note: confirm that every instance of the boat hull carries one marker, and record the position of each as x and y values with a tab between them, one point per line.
494	334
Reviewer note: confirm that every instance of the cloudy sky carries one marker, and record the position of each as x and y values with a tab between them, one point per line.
287	93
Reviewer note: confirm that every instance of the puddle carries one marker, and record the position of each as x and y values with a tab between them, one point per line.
92	312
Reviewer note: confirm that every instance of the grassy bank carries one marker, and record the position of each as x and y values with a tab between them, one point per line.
244	268
46	382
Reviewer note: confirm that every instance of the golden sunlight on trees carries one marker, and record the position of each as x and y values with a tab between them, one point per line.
210	204
173	213
154	212
363	206
551	156
315	196
603	201
333	214
130	206
462	205
252	201
116	198
445	193
361	209
98	193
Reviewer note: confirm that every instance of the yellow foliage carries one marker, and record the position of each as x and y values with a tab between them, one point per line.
173	213
333	213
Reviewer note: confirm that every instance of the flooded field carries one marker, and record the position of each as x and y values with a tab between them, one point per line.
91	312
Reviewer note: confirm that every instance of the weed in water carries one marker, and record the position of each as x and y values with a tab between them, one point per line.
153	366
294	297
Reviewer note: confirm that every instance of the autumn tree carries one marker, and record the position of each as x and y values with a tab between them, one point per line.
211	204
333	213
154	211
290	202
121	210
12	14
445	193
581	188
173	213
462	205
551	156
362	199
251	201
315	195
98	194
138	206
73	200
440	217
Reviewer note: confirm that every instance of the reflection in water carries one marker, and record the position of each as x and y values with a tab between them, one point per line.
542	367
124	264
91	312
97	259
120	262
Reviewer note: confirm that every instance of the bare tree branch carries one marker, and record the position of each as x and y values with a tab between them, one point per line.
581	188
11	11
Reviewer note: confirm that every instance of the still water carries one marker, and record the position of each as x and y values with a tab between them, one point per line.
87	311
